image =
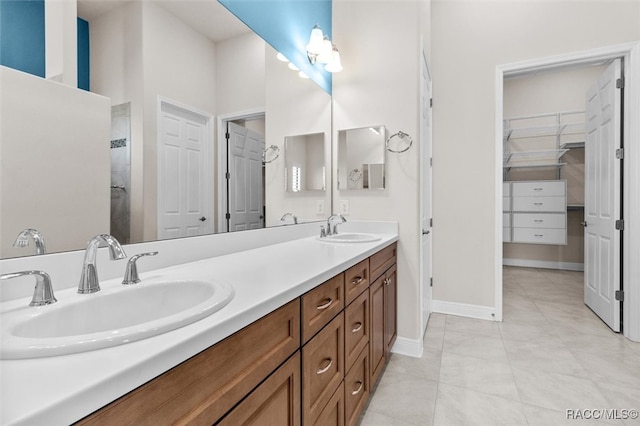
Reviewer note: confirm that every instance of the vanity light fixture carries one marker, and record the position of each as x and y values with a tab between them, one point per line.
320	50
334	64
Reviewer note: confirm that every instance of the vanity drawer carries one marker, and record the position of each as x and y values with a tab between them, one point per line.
356	280
356	328
540	220
539	204
540	236
320	305
356	388
322	368
382	260
539	188
333	412
205	387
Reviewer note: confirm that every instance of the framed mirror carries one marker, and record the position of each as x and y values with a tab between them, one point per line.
305	167
210	65
361	158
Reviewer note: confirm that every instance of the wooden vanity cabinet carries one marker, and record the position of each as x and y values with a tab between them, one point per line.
205	387
311	362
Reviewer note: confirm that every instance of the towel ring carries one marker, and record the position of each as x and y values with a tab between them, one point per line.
355	175
405	140
270	154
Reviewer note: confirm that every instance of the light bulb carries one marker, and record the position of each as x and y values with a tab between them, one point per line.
334	64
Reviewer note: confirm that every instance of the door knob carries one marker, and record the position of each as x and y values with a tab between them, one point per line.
584	224
425	232
202	219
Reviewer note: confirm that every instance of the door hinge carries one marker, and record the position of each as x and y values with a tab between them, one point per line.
431	222
227	216
227	135
431	102
620	295
620	225
431	282
227	175
431	161
620	83
620	153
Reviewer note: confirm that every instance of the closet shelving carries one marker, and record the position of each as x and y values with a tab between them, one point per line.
540	141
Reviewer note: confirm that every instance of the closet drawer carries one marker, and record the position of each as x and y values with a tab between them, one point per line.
540	220
506	189
320	305
506	235
506	220
539	188
539	236
506	204
356	280
356	328
539	204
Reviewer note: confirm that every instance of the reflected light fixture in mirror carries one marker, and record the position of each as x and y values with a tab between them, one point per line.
320	50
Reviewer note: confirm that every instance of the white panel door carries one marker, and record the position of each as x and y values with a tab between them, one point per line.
245	180
602	197
425	195
183	197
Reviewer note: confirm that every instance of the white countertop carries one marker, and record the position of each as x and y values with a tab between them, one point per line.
64	389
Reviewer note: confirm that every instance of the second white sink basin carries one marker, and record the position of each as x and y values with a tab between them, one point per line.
350	237
109	318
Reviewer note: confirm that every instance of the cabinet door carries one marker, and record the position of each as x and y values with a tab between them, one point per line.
356	328
390	310
356	388
376	330
276	402
322	368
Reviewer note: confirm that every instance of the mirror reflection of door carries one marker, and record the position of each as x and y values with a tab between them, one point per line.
121	172
245	179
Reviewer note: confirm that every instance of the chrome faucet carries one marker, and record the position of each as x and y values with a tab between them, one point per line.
131	273
334	230
291	215
22	240
89	279
43	292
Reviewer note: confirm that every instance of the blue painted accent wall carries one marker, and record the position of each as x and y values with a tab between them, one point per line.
22	43
83	55
286	25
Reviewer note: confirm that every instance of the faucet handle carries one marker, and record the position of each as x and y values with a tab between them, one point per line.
131	273
42	293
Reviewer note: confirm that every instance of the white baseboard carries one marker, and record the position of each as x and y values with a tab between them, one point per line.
546	264
408	347
463	310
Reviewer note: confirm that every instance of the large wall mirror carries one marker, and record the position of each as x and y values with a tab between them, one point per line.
174	64
361	158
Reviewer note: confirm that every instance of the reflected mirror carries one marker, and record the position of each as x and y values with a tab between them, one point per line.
207	73
305	166
361	158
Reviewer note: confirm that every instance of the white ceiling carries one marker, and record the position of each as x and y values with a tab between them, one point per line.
208	17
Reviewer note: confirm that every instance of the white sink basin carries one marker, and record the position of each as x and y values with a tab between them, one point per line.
111	317
350	237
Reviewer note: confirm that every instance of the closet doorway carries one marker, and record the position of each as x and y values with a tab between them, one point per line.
518	97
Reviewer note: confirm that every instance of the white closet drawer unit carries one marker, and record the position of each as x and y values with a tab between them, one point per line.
506	189
506	220
539	236
540	220
539	204
552	188
506	204
506	235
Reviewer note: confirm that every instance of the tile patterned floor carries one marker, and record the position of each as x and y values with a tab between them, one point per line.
549	355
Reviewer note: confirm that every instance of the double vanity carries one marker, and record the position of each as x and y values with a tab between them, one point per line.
298	326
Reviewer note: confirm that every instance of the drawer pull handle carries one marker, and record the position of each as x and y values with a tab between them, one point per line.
323	370
537	189
356	280
538	220
538	235
327	302
537	204
360	384
356	327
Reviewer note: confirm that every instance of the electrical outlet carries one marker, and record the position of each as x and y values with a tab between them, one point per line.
319	206
344	207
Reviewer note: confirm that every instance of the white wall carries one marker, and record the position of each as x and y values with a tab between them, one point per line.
54	163
469	40
295	106
379	44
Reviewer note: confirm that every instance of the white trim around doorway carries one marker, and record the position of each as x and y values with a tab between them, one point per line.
631	175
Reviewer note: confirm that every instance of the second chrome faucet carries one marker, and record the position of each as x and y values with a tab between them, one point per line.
89	279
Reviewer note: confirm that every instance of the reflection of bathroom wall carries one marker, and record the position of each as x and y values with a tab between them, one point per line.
121	172
54	167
